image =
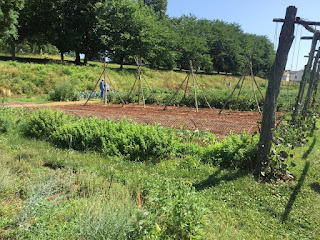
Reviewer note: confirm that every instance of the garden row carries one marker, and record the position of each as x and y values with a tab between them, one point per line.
130	140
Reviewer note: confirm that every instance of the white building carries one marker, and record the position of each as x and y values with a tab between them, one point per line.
292	76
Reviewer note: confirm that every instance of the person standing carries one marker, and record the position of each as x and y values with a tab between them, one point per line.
102	89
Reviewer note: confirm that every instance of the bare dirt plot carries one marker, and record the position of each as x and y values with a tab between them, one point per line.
205	119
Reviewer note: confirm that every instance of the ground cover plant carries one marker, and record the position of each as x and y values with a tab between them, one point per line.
47	192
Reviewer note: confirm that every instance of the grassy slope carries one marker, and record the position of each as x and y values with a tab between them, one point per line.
240	208
34	79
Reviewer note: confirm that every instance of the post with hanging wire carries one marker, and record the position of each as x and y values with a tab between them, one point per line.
311	85
275	76
304	79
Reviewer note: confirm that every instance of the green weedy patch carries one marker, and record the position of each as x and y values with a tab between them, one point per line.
131	140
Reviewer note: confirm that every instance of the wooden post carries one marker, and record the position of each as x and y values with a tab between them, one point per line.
176	92
303	82
185	92
105	82
316	87
254	92
125	101
235	87
194	86
311	86
275	75
139	74
94	88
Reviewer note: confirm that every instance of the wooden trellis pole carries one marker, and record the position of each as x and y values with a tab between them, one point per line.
304	79
106	75
311	85
194	86
138	77
275	76
241	78
194	89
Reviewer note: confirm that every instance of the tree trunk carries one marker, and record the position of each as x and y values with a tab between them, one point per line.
121	61
13	50
85	59
62	56
275	75
77	61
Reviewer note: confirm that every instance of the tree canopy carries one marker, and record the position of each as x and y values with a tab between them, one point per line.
124	29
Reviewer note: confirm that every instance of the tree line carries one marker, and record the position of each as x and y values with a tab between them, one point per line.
124	29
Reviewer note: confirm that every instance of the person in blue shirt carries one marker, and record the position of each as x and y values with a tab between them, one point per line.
102	88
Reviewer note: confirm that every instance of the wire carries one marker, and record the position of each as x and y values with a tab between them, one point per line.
275	41
294	47
299	49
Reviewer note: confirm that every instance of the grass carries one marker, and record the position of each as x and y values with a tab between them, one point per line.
30	79
52	193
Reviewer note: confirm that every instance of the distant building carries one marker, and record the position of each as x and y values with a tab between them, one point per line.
292	76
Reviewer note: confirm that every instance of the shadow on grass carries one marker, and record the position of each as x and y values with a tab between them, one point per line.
295	192
34	60
215	179
315	187
306	154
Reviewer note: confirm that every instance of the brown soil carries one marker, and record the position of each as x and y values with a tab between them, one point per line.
205	119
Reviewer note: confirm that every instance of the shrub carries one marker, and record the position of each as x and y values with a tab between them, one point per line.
9	119
41	124
236	151
64	91
177	211
132	140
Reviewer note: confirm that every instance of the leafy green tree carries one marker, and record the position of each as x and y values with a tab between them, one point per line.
126	30
224	45
159	6
9	13
191	44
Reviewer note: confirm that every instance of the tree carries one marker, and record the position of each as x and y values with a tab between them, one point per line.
159	6
126	30
191	44
9	13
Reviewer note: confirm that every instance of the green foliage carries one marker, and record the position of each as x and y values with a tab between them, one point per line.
131	140
9	13
236	151
64	91
176	210
43	123
9	119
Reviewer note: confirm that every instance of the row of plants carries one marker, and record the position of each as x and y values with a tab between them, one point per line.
216	98
130	140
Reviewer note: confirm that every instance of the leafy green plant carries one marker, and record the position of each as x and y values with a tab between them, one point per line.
177	211
41	124
64	91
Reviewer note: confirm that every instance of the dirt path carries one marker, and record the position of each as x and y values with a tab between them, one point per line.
205	119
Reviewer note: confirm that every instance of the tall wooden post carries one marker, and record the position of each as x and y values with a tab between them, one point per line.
275	75
315	90
304	79
311	85
194	86
105	82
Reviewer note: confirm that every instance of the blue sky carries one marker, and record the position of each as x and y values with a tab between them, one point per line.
255	17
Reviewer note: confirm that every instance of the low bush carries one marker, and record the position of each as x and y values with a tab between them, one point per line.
41	124
9	119
64	91
131	140
139	142
175	208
